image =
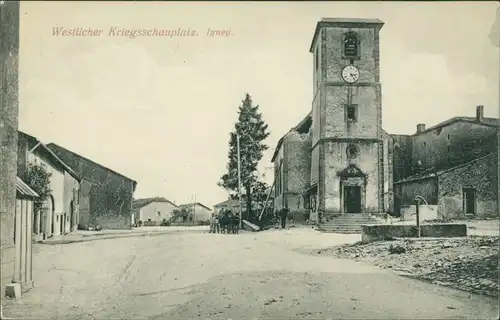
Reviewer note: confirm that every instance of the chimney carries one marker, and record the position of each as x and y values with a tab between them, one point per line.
420	127
479	113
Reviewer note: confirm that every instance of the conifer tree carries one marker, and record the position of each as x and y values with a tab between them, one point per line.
252	130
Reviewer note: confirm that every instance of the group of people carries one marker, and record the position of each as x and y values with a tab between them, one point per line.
224	222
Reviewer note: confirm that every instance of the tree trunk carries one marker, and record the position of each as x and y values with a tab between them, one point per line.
249	201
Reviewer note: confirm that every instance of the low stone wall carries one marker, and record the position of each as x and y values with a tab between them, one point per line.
373	233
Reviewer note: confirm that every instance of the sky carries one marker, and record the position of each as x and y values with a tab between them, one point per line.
160	109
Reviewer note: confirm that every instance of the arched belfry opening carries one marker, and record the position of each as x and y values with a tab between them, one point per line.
351	46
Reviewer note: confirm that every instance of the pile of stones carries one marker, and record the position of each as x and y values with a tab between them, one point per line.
469	264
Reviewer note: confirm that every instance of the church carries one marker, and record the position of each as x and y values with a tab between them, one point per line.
338	161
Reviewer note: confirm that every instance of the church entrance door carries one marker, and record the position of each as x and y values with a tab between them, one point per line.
352	199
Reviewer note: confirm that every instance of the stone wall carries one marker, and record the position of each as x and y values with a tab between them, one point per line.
9	115
106	194
336	161
388	167
481	175
426	188
402	159
372	233
408	213
297	150
451	145
367	124
369	53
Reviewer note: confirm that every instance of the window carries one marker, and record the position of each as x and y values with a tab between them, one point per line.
149	220
159	213
352	151
425	143
448	137
351	46
351	113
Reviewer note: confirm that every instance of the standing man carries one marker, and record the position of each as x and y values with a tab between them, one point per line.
212	223
284	215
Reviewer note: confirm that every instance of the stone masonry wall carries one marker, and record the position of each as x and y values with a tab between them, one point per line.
481	175
110	194
297	152
297	161
402	159
336	160
369	57
9	115
456	143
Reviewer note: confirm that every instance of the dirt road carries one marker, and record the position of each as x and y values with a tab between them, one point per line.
247	276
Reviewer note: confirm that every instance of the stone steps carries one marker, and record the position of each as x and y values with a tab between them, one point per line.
348	223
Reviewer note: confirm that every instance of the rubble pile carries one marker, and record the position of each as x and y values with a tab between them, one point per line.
469	264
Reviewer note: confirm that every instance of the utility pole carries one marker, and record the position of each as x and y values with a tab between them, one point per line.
194	209
239	177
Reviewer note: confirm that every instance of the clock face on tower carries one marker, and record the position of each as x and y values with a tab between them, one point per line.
350	74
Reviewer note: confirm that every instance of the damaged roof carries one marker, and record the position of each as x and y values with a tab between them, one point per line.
436	172
302	126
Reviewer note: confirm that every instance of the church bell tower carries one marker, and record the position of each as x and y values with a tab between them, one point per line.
347	143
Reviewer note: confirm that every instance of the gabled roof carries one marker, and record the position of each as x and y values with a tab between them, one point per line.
58	148
140	203
24	189
39	144
488	122
228	203
189	205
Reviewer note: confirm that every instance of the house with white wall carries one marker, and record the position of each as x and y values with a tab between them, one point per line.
59	214
199	212
152	211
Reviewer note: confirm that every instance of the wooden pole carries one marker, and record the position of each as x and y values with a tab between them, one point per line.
271	190
239	178
417	203
194	210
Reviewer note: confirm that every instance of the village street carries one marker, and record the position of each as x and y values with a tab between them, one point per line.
261	275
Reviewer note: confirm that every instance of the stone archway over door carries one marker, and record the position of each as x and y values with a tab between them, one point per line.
353	190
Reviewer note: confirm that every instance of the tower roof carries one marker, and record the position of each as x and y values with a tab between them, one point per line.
344	22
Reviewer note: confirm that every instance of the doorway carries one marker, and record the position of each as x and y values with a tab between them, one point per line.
469	201
352	199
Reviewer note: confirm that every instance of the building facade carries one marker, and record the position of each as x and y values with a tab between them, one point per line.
59	214
105	197
152	211
338	160
198	211
453	165
9	115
